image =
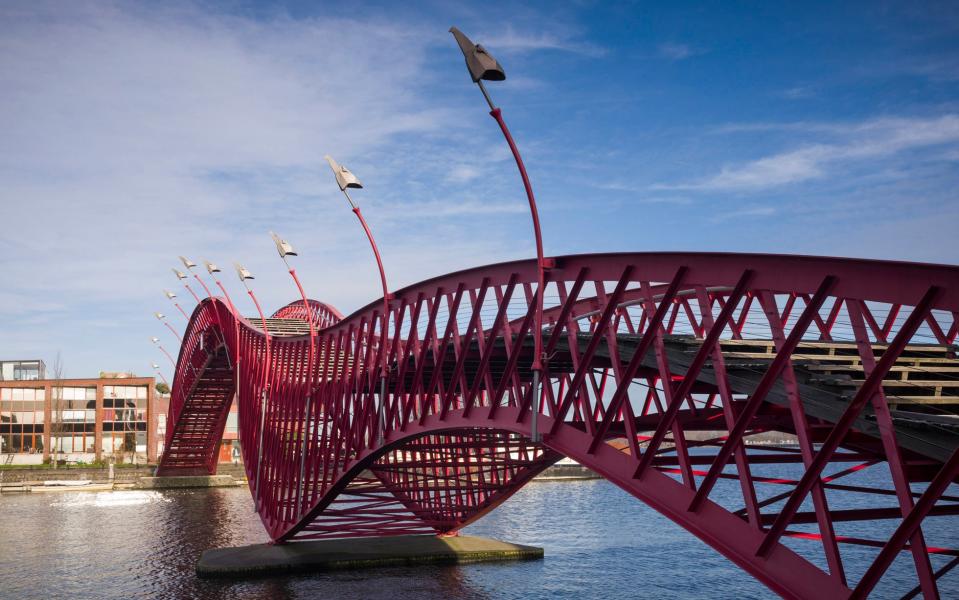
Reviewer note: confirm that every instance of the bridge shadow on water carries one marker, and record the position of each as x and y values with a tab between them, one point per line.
599	543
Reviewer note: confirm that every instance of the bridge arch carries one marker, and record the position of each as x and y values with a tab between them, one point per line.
635	355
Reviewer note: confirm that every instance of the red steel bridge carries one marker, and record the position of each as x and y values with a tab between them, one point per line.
660	370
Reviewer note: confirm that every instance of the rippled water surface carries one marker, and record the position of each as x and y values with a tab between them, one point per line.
599	543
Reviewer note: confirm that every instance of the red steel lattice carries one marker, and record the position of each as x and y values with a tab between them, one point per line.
853	357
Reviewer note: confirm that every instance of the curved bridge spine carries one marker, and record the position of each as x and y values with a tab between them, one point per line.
662	368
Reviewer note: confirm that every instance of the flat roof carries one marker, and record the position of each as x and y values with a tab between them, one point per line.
79	382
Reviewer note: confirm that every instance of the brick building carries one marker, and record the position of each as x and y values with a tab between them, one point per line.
116	416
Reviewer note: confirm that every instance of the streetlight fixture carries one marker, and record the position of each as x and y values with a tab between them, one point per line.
156	342
212	269
182	276
189	264
244	275
156	368
345	179
172	297
284	249
483	67
162	318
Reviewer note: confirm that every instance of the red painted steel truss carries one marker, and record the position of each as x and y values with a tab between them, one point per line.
662	367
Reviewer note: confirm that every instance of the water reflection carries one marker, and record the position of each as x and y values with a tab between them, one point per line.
599	542
108	499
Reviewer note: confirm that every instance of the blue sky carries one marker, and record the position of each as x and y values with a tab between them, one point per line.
133	133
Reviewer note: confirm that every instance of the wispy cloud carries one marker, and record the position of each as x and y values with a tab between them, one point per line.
452	208
133	133
799	92
744	213
805	127
512	40
940	69
878	138
675	200
463	173
639	193
675	51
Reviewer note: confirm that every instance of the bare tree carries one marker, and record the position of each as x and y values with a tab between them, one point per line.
56	409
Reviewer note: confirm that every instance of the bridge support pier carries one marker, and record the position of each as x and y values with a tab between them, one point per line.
357	553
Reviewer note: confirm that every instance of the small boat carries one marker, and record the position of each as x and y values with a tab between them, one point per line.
68	483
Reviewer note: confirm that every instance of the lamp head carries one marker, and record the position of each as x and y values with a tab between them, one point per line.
156	366
480	63
210	267
189	264
159	315
241	272
344	178
155	340
179	274
282	246
169	294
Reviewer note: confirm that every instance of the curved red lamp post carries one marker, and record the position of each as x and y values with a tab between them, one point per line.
162	318
156	368
182	276
156	342
345	179
172	297
244	275
482	66
189	264
212	269
285	249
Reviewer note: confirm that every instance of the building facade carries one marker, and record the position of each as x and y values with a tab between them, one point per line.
116	417
80	420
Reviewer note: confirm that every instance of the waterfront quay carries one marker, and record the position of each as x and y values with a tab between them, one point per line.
146	543
127	477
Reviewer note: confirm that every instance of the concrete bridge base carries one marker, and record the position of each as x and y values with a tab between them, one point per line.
188	481
357	553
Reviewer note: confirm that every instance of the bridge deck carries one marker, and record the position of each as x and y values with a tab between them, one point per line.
922	389
282	327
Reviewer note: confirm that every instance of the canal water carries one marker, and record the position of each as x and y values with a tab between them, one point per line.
599	541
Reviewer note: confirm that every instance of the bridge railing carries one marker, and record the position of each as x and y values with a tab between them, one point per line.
642	350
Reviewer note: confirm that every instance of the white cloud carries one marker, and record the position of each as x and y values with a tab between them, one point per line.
675	200
463	173
673	51
744	213
511	40
638	193
938	69
878	138
452	208
779	169
133	133
798	92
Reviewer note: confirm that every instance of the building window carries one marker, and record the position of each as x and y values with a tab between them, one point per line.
22	370
231	422
73	413
21	420
125	422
